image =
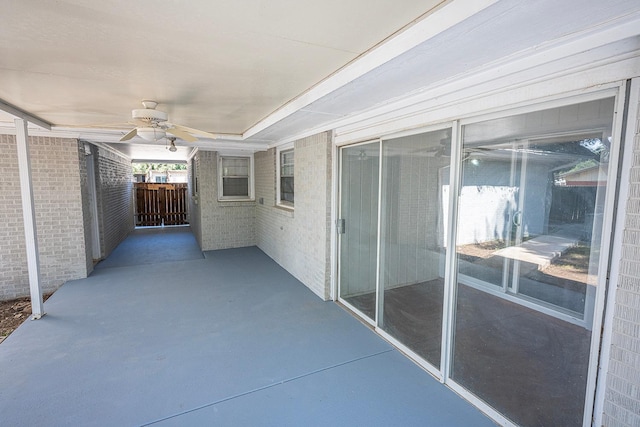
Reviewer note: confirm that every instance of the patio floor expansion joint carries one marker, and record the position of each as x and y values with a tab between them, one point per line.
268	386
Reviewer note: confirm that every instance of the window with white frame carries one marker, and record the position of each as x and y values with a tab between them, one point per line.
235	177
285	177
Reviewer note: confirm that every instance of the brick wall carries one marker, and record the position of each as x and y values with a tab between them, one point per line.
300	240
114	197
59	216
219	225
622	398
194	198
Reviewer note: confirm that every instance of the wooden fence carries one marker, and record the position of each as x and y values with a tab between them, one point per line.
160	204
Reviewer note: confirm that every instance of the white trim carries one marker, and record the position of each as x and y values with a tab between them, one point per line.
363	317
435	22
29	218
616	251
251	196
338	296
169	162
230	146
480	404
112	150
457	100
603	261
379	313
412	355
335	176
230	152
21	114
556	101
192	153
420	130
283	148
451	263
339	213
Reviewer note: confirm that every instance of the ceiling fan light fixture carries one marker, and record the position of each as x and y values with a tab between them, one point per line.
151	134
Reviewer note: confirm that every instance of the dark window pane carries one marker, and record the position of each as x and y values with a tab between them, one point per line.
286	189
235	187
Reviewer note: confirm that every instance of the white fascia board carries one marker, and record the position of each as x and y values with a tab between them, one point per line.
593	80
288	142
177	162
447	16
532	66
111	150
98	135
517	71
234	148
192	153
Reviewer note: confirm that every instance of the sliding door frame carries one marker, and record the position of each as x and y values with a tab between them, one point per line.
340	216
444	372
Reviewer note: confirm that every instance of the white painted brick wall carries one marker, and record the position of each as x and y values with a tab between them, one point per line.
59	215
220	225
622	398
300	240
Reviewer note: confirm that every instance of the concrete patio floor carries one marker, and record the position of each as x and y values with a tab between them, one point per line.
228	339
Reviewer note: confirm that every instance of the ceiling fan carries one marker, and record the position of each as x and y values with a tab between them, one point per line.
152	125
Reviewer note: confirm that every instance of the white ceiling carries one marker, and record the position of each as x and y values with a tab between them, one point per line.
219	66
259	70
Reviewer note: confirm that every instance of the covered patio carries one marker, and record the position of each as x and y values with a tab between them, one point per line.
228	338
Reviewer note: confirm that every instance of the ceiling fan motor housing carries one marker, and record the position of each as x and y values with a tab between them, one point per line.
149	115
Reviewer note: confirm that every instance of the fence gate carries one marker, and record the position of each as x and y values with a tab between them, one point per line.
160	204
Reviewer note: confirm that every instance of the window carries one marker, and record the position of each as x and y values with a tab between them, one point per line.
235	178
162	179
285	177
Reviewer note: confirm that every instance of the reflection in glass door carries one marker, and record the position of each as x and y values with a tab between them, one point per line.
358	226
506	314
528	245
412	241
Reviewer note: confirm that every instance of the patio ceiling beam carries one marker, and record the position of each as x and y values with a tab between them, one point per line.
21	114
29	218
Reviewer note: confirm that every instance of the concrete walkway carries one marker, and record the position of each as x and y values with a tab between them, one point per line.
227	340
540	250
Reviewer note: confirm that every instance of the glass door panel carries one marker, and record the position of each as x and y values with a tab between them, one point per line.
528	245
358	225
412	240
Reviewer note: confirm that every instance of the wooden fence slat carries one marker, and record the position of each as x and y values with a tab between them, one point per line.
158	204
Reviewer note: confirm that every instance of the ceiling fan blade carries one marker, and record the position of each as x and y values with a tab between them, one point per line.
182	134
129	135
118	125
196	131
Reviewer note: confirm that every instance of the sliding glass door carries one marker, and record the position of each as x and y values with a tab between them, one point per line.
506	315
358	226
530	208
412	241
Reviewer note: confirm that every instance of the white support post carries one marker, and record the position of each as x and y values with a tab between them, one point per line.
29	219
